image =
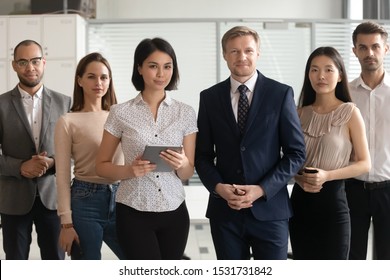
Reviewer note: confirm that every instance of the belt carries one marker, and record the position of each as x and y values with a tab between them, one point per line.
373	185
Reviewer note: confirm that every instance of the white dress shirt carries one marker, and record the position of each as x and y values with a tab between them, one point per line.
374	104
235	94
33	107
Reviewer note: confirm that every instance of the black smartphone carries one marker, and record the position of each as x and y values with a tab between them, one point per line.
306	170
76	252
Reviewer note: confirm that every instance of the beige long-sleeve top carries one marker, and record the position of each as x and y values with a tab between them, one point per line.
328	143
77	138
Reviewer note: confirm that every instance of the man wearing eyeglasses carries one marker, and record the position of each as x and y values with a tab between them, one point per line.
28	114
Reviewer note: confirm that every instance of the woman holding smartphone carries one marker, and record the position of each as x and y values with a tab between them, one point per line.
152	217
86	203
336	149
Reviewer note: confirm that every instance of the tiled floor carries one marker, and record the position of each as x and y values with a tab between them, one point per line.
199	245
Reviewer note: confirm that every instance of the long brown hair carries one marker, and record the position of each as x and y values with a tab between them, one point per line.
78	93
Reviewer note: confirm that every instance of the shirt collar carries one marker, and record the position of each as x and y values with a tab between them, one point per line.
250	84
25	94
385	81
167	100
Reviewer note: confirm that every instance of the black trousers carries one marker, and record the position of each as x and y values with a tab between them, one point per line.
17	231
369	202
152	235
320	226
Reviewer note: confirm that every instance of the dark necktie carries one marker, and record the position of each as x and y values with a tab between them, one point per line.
243	108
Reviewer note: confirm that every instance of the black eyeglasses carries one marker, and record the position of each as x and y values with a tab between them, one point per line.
22	63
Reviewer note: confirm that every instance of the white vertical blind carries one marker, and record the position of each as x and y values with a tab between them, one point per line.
284	48
194	45
339	36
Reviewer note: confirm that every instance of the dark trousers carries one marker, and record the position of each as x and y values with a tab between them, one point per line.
369	202
152	235
243	234
320	226
17	231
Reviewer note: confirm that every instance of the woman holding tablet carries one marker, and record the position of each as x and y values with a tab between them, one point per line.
152	217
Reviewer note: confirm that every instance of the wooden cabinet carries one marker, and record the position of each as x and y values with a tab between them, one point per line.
63	37
3	76
3	55
63	40
3	36
21	28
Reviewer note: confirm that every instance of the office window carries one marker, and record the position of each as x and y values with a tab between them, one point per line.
194	45
285	47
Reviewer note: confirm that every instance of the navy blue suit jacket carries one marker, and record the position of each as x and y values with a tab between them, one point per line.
269	154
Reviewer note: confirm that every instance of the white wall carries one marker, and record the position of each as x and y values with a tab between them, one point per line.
157	9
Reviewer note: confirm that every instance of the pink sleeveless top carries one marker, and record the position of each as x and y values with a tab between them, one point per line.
327	138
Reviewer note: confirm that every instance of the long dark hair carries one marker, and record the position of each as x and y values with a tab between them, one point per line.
308	95
78	93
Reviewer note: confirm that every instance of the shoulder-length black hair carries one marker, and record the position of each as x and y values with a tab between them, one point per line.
145	48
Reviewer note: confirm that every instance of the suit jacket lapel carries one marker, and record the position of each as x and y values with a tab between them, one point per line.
46	106
225	99
257	99
17	102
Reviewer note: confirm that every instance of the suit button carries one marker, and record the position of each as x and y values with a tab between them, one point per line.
242	149
239	171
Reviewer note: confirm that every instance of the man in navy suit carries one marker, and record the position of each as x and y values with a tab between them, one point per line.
247	172
28	193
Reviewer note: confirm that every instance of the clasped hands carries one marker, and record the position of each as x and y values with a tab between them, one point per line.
37	166
311	182
239	196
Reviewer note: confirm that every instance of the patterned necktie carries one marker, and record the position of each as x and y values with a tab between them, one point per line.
243	108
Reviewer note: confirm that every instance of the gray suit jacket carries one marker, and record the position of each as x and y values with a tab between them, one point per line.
17	193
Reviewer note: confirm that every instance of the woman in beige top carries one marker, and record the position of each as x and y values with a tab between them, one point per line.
336	149
86	204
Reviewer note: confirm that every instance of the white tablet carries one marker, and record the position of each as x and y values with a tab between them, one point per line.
152	154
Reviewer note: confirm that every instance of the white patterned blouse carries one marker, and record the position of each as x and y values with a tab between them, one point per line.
134	124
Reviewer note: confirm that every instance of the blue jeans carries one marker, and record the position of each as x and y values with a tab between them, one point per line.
93	214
